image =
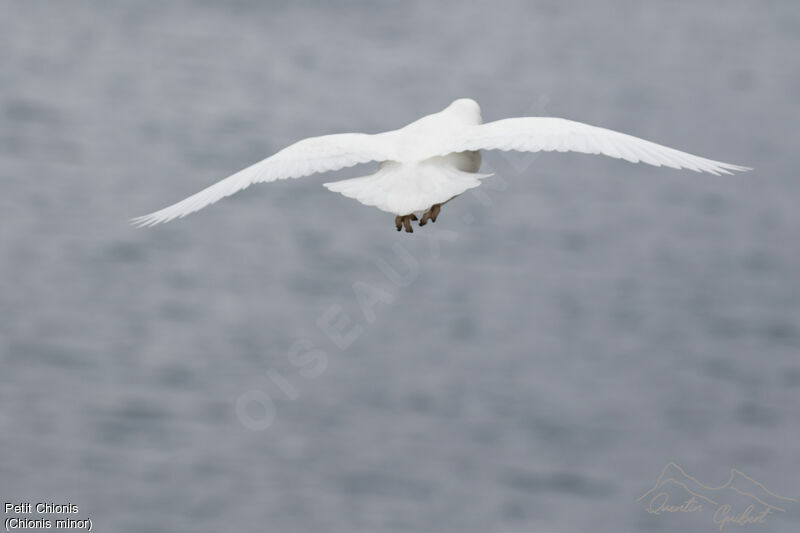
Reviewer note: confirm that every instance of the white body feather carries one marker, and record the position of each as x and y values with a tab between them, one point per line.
433	159
413	187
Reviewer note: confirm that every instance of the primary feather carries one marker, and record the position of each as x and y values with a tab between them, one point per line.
315	154
548	134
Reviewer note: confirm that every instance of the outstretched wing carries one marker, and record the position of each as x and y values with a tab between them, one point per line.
534	134
315	154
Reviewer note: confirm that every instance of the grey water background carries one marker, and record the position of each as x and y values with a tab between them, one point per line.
576	328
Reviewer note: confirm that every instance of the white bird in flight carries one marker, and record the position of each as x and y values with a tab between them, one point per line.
432	160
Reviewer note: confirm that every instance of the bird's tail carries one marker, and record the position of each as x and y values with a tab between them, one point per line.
406	188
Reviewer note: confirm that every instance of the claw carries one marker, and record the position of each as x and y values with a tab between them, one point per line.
398	223
407	223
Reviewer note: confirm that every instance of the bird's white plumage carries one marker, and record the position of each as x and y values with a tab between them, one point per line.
548	134
409	187
433	159
309	156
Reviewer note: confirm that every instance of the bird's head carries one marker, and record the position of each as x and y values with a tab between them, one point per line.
466	107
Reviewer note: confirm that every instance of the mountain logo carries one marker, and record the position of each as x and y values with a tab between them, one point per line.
740	501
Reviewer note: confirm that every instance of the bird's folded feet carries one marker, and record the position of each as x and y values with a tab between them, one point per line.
434	212
431	214
404	221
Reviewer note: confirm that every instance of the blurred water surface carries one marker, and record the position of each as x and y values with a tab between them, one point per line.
576	328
